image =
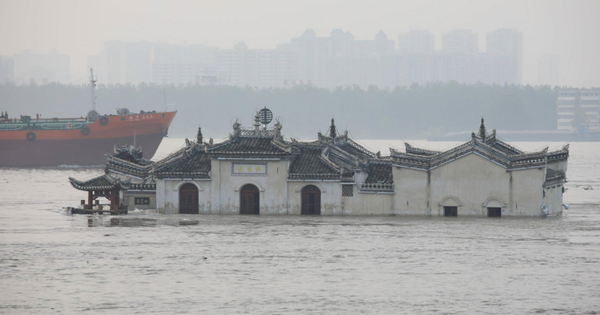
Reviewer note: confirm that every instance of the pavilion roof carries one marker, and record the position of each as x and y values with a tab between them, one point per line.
103	182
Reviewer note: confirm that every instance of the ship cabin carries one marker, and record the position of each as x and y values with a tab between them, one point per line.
256	171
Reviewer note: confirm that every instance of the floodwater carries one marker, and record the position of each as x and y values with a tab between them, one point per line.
144	263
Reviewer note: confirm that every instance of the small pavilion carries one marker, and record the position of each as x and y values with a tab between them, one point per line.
102	186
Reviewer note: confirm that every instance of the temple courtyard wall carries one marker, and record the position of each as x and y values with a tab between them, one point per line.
471	183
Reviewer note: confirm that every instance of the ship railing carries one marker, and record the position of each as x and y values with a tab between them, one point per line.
43	120
11	126
62	126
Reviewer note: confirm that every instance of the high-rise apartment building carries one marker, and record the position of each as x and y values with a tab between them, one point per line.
137	62
42	68
549	70
339	60
255	67
509	43
7	69
416	41
578	110
127	62
183	64
460	41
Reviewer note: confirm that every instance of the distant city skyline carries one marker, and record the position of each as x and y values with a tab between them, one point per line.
323	61
79	29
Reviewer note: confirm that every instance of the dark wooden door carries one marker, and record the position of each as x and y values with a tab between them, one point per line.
450	211
494	212
311	200
249	200
188	199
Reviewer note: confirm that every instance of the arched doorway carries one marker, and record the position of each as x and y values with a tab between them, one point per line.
188	199
249	200
311	200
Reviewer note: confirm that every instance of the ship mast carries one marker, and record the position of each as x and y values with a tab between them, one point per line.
93	84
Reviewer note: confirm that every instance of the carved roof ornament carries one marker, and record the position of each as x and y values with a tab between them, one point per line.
332	132
278	127
256	125
482	129
199	136
236	128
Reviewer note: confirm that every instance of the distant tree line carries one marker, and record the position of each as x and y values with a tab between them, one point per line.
413	112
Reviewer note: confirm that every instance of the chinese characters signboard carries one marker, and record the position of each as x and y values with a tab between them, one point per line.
249	169
142	200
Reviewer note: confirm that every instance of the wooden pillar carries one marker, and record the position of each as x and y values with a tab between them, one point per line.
90	200
114	199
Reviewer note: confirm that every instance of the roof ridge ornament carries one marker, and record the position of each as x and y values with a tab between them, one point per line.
236	128
199	136
482	130
332	129
256	125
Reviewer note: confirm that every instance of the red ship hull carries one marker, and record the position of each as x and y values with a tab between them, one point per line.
75	147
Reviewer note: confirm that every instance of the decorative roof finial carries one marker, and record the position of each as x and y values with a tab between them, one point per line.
482	130
332	132
199	136
256	125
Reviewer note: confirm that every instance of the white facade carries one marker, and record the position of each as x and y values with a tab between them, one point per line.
259	171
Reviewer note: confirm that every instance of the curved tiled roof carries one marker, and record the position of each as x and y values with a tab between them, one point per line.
249	146
380	173
195	164
309	164
103	182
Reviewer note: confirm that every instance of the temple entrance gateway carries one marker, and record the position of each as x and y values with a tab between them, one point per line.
450	211
249	200
188	199
311	200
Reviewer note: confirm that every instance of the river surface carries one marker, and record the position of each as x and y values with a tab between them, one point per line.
145	263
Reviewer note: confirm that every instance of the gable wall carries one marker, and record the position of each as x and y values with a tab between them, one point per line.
471	180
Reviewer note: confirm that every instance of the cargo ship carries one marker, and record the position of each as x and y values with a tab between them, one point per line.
31	142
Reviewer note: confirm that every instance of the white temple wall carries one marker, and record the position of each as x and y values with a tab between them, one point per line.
226	186
411	191
468	183
368	204
167	194
553	199
472	183
527	192
331	192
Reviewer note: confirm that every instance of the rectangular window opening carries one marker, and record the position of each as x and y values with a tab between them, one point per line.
494	212
347	190
450	211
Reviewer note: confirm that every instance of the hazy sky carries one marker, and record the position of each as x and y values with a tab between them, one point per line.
570	29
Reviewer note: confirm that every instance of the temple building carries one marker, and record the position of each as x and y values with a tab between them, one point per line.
257	171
